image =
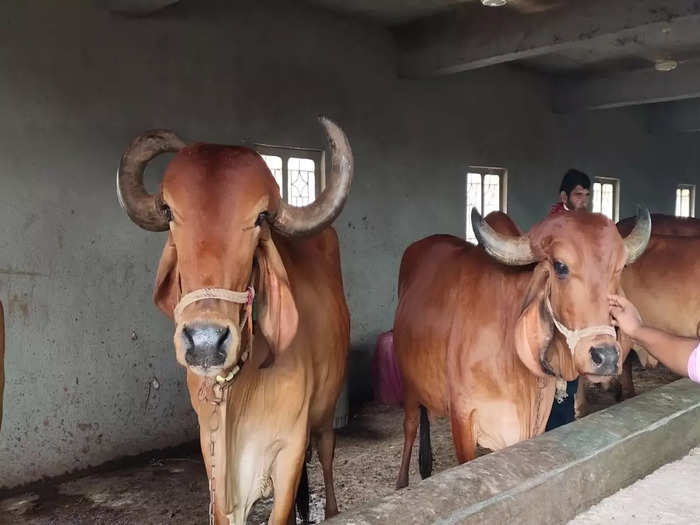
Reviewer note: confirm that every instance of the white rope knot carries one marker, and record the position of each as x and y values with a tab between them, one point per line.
560	393
213	293
573	337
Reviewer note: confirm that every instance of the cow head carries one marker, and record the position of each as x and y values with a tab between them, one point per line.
564	325
219	204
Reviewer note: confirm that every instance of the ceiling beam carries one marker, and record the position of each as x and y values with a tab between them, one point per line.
629	88
472	36
134	7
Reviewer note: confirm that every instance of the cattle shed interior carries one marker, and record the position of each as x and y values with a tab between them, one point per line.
427	91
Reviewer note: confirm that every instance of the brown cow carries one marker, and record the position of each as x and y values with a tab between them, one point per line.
640	279
2	358
479	332
660	285
260	389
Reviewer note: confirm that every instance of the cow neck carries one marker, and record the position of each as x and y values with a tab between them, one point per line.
214	391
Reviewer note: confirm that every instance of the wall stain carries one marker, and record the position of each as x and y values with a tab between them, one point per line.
17	303
10	271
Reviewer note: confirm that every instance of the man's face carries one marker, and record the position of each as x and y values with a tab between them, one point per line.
578	198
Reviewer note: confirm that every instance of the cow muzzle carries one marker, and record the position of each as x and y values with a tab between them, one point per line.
212	346
207	345
605	359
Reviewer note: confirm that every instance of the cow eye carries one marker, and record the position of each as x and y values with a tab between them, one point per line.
166	211
561	269
261	217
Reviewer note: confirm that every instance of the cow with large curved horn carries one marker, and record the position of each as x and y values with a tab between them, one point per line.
260	386
487	336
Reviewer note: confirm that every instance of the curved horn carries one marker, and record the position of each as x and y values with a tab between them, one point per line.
513	251
142	207
637	240
293	221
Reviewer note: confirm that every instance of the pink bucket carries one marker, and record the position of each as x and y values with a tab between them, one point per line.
388	387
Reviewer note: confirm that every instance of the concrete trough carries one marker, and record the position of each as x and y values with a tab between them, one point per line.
555	476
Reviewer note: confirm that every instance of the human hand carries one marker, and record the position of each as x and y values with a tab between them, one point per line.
624	315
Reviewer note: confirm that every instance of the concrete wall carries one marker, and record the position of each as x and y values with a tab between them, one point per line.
84	339
550	479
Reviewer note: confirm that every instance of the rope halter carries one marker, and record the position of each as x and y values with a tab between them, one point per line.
213	293
573	337
230	296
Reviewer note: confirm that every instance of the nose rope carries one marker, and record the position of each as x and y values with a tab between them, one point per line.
573	337
213	293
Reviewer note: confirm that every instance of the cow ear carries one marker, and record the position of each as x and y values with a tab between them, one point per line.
533	329
167	288
276	312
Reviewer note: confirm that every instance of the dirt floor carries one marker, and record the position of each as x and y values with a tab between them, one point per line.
167	488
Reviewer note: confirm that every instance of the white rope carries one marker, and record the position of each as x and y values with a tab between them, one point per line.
574	336
211	293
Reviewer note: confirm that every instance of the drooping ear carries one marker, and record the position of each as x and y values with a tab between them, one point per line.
533	329
166	292
277	314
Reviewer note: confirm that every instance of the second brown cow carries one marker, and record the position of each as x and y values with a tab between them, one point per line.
483	334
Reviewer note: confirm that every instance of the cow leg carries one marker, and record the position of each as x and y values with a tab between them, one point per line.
286	473
580	399
411	414
292	519
463	435
626	383
325	444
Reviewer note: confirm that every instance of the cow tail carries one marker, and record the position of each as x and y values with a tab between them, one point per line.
425	449
302	499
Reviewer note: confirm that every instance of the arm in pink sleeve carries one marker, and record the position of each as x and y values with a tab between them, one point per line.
694	365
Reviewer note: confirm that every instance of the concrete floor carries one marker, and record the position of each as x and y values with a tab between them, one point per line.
172	487
668	496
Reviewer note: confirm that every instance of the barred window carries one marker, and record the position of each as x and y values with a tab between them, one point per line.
606	197
486	191
685	200
299	172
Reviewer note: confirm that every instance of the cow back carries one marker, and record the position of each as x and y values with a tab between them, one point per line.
662	224
663	284
502	223
455	304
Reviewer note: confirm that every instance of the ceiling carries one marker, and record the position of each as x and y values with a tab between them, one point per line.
598	53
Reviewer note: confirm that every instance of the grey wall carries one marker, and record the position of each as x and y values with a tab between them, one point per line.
76	275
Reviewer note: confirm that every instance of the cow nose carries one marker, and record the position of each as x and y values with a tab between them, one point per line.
604	359
206	344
